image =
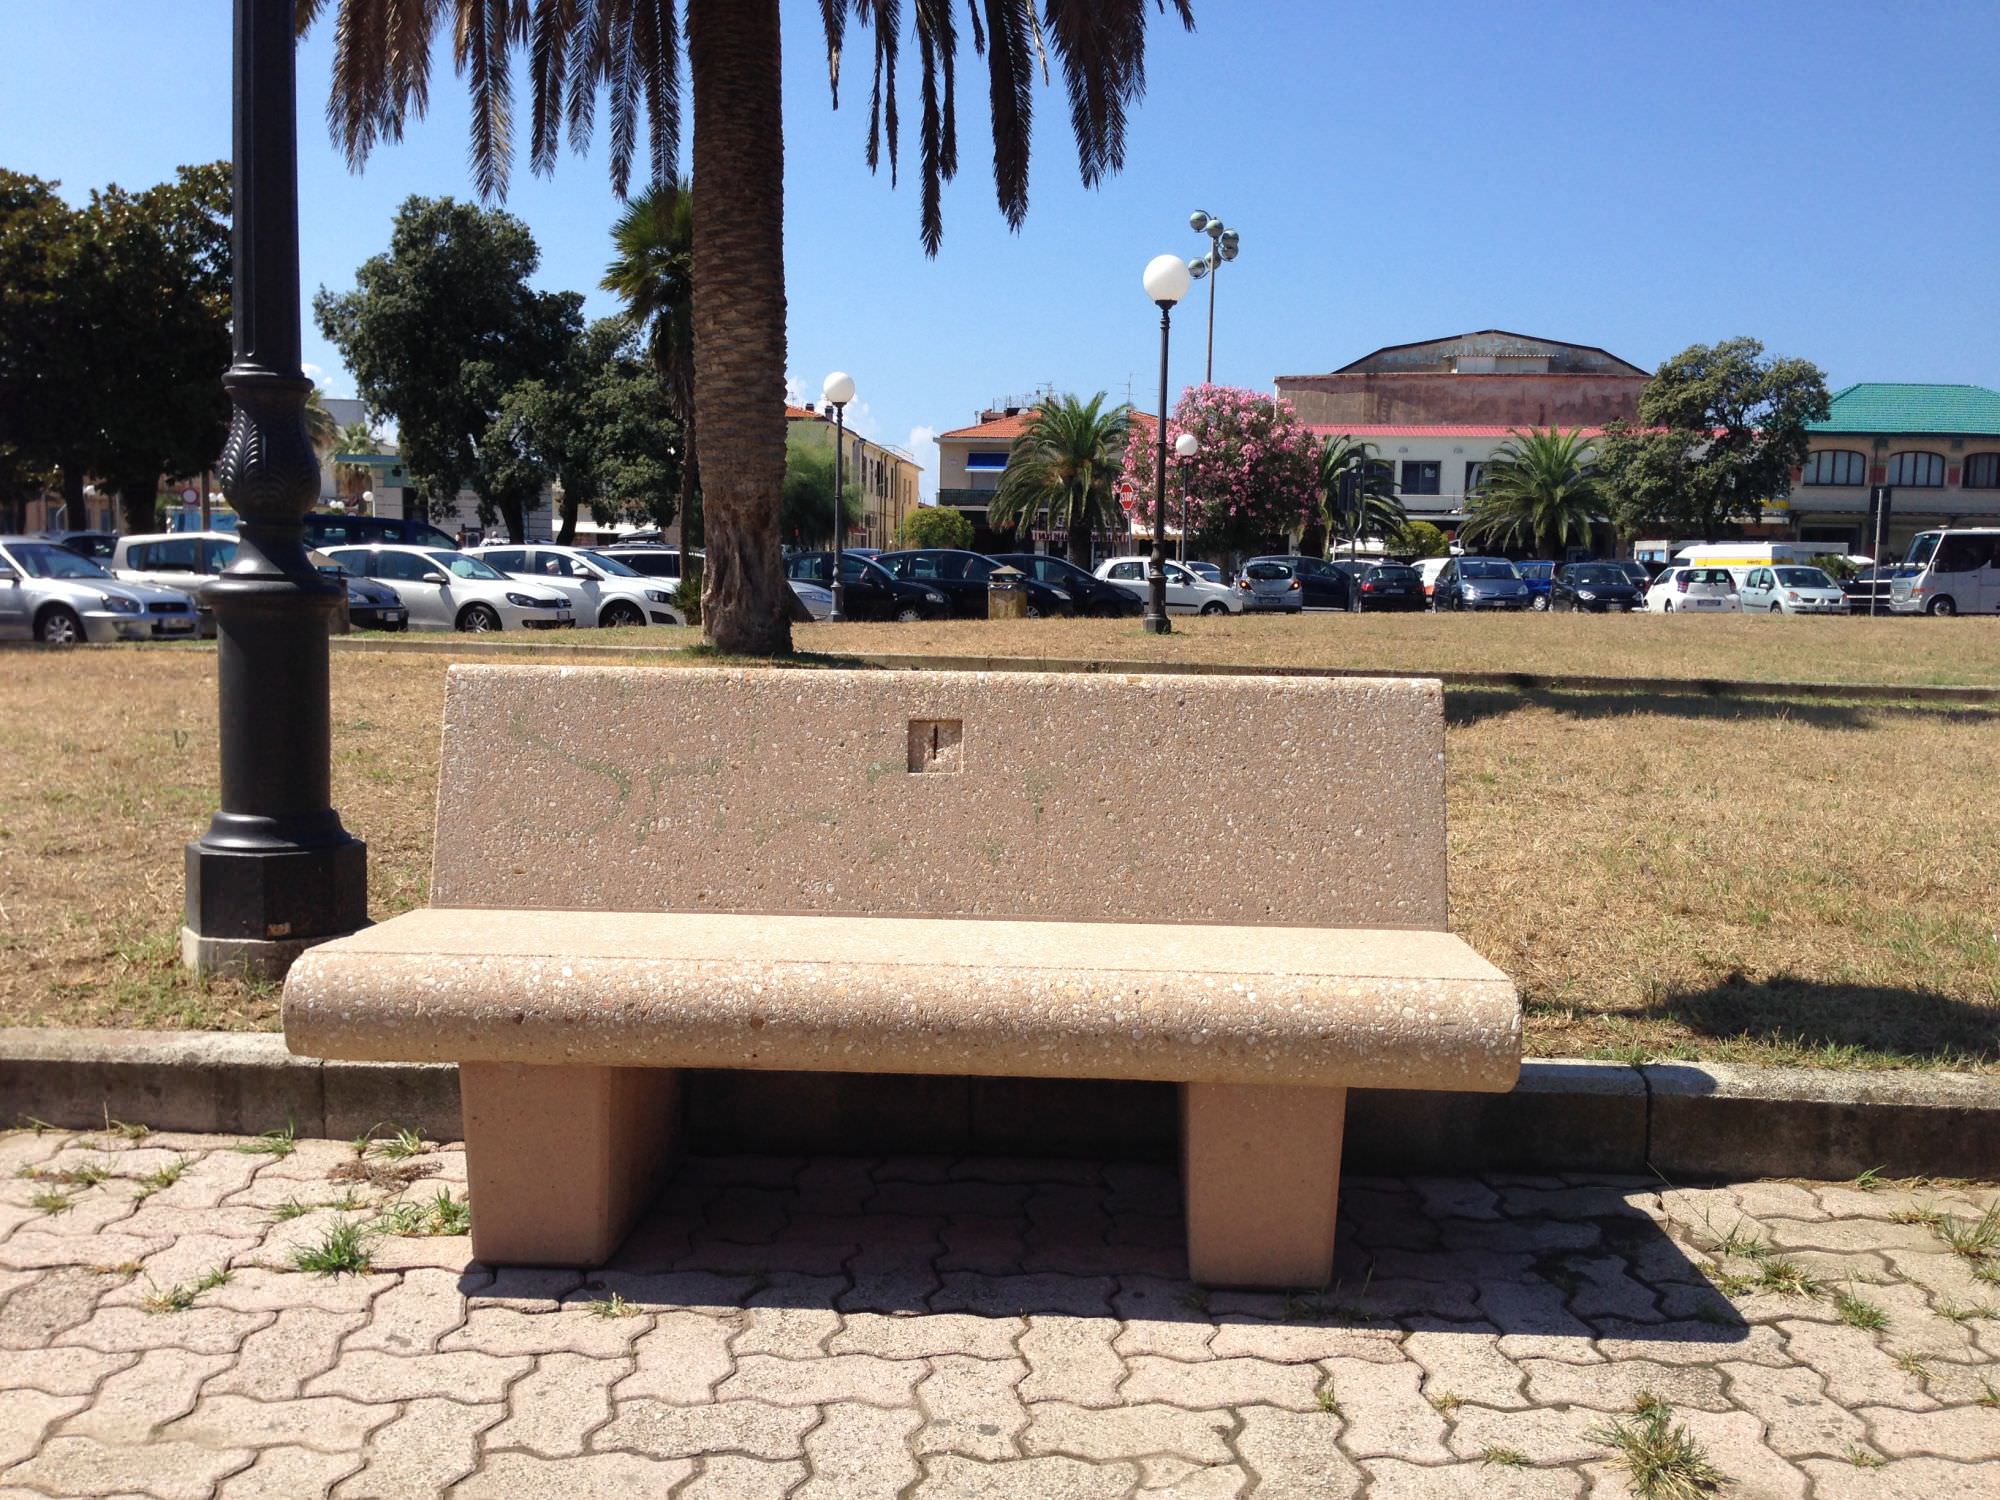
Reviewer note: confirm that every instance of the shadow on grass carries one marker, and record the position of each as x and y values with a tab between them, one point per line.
1467	706
1859	1025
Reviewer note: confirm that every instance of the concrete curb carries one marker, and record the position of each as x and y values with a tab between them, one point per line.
1711	687
1683	1121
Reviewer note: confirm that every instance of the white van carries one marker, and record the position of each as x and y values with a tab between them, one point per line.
1950	573
1737	556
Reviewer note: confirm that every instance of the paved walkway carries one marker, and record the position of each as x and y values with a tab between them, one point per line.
835	1330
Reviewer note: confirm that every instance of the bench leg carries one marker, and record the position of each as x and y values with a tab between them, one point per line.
560	1161
1261	1171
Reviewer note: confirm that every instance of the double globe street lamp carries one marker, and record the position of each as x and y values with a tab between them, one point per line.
1167	280
1223	243
838	389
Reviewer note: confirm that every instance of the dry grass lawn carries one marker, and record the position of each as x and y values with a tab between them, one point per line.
1666	875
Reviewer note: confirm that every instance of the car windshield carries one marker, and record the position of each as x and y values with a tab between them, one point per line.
44	560
461	566
1921	549
1393	573
613	566
1267	572
1486	567
1599	574
1804	578
1719	576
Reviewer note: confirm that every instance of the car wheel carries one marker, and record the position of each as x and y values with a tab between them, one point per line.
1777	608
620	615
1541	602
909	614
1944	607
1031	611
1667	608
478	619
1215	607
59	626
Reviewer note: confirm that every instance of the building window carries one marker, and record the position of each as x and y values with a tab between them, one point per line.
1982	471
1835	466
1382	470
1475	470
1917	470
1420	477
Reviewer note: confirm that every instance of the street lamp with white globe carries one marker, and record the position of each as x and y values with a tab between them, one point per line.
1186	446
1166	280
838	389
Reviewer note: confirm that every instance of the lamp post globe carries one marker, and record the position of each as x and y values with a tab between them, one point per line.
1167	280
1198	220
1187	445
838	389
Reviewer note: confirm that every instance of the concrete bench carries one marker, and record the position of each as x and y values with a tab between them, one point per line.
1233	884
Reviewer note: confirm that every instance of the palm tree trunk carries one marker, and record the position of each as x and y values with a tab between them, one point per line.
739	320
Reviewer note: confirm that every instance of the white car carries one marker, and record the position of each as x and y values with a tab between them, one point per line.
1428	569
53	595
1187	593
1790	589
447	590
601	589
184	560
818	601
1696	591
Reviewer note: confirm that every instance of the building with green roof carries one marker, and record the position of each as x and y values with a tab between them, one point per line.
1935	447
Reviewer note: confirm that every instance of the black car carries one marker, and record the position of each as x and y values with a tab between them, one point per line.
1322	585
1595	587
1480	583
325	529
1867	590
962	578
650	558
1088	594
1387	585
95	545
868	590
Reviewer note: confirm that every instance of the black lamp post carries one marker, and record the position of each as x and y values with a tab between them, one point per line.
275	872
838	389
1166	279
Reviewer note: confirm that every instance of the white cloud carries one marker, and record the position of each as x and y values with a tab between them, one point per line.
795	394
923	447
314	373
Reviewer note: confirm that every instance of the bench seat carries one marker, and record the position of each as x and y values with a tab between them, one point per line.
1321	1007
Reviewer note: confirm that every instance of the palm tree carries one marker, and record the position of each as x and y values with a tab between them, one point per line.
652	273
1066	460
321	428
1380	513
632	49
1539	492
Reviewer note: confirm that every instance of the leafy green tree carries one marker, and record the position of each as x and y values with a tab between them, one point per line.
1720	430
575	49
652	273
1538	493
1421	539
805	507
1375	512
1067	462
438	330
936	526
114	332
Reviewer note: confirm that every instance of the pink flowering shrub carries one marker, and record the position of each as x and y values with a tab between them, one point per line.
1253	482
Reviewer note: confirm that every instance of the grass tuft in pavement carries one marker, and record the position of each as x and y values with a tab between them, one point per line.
280	1143
342	1251
1662	1459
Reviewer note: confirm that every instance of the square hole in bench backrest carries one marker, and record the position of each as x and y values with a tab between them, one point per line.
1314	802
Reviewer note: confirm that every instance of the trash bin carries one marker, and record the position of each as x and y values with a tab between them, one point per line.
1007	594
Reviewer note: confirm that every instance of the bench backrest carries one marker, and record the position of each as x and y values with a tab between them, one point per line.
1254	800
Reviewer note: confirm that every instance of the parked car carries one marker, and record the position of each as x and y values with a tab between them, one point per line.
1270	584
650	559
868	590
1479	583
92	544
184	560
1389	585
1088	594
1595	588
1321	584
325	528
818	601
444	589
1207	571
1790	589
1638	572
600	588
51	594
1187	593
1694	591
1428	569
961	577
1539	575
370	605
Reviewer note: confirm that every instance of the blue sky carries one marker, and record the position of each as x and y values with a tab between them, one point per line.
1638	176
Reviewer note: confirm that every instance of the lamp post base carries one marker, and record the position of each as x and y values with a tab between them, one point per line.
1158	625
250	912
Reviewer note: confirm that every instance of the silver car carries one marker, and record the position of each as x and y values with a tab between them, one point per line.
49	593
601	589
444	589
